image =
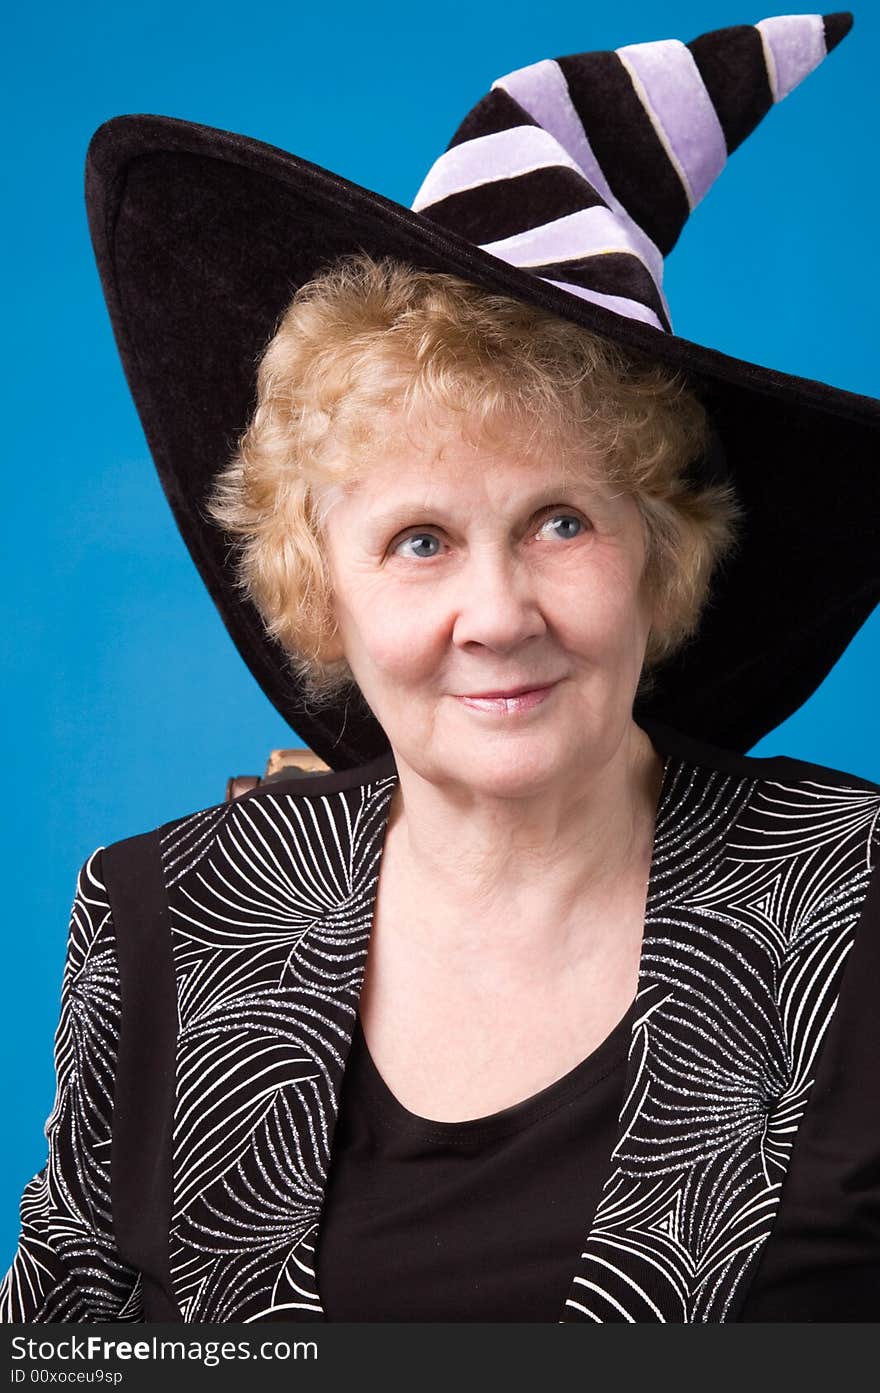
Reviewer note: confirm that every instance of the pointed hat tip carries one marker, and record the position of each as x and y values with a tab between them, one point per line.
837	26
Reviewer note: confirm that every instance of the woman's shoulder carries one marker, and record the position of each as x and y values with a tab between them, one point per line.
694	750
186	837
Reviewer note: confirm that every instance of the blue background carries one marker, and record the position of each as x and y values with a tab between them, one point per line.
126	703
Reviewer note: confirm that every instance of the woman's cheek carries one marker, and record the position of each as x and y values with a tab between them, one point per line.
406	640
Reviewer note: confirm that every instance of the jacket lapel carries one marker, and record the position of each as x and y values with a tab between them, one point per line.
755	893
271	903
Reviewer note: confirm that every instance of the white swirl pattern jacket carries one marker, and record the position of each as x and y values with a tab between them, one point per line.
213	973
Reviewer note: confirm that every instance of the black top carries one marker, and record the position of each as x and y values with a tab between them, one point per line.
480	1220
465	1221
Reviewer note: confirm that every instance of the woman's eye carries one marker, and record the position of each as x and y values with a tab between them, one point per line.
419	538
568	519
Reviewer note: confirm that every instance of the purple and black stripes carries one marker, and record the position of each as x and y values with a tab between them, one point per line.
626	144
749	67
734	73
493	113
612	274
584	169
547	193
667	82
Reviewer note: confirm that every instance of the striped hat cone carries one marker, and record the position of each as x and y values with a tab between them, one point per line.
583	170
565	187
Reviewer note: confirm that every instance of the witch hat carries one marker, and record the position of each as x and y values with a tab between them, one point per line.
565	187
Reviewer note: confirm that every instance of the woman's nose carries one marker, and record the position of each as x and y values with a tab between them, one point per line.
497	603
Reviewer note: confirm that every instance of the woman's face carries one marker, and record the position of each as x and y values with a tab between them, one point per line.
478	570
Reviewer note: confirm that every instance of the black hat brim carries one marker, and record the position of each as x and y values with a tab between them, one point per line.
201	239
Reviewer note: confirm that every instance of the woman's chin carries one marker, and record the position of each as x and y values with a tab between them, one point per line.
511	766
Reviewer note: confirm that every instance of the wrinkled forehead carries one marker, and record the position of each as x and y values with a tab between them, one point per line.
436	453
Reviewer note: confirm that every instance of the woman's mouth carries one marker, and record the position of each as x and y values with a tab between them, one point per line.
509	706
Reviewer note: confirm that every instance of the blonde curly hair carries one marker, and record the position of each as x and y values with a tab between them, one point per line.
367	338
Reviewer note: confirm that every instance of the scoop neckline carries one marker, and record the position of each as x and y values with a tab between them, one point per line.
609	1055
584	1075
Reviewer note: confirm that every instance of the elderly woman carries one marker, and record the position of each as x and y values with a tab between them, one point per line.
548	1011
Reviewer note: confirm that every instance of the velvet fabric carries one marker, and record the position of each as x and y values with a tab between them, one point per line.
600	86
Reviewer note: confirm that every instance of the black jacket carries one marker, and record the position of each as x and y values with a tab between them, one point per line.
213	973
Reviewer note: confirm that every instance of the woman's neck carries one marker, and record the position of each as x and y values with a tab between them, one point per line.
517	875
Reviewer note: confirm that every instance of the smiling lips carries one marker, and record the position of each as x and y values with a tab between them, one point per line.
508	692
517	699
